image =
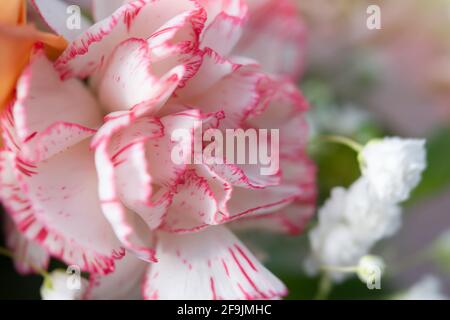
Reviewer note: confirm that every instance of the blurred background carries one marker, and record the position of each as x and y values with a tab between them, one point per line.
364	83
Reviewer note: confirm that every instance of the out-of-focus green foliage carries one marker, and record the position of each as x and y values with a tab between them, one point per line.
440	252
337	164
285	256
437	175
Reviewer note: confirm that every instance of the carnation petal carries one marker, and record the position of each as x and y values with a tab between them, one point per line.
30	221
213	68
212	264
235	95
290	220
28	255
138	19
131	77
193	205
129	228
242	175
275	36
223	33
122	284
252	202
49	115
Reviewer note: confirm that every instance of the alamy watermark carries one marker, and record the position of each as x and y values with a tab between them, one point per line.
73	281
230	146
373	21
73	21
373	280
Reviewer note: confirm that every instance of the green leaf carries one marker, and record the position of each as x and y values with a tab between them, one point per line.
437	175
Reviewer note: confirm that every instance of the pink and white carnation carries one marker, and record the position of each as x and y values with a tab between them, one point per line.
103	193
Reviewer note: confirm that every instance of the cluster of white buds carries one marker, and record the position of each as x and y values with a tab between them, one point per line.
370	268
353	220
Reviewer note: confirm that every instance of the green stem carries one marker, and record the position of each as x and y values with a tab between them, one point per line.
357	147
340	269
5	252
325	286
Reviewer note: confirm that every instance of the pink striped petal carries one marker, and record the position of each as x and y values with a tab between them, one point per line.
92	250
128	226
235	95
123	284
243	175
291	220
58	186
301	172
132	77
134	185
138	19
223	33
48	115
135	170
193	205
213	68
275	36
120	161
28	255
282	107
209	265
251	202
236	8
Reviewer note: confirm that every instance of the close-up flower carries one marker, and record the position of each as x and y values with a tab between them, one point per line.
196	150
154	67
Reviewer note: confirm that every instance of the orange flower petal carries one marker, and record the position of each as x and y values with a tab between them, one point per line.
16	44
16	41
13	12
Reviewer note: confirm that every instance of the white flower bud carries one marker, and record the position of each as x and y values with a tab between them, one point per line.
370	269
350	223
370	218
58	287
393	167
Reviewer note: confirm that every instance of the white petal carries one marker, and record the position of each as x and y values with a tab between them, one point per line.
50	115
193	205
131	77
290	220
139	19
123	284
212	264
28	255
223	33
275	36
58	239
